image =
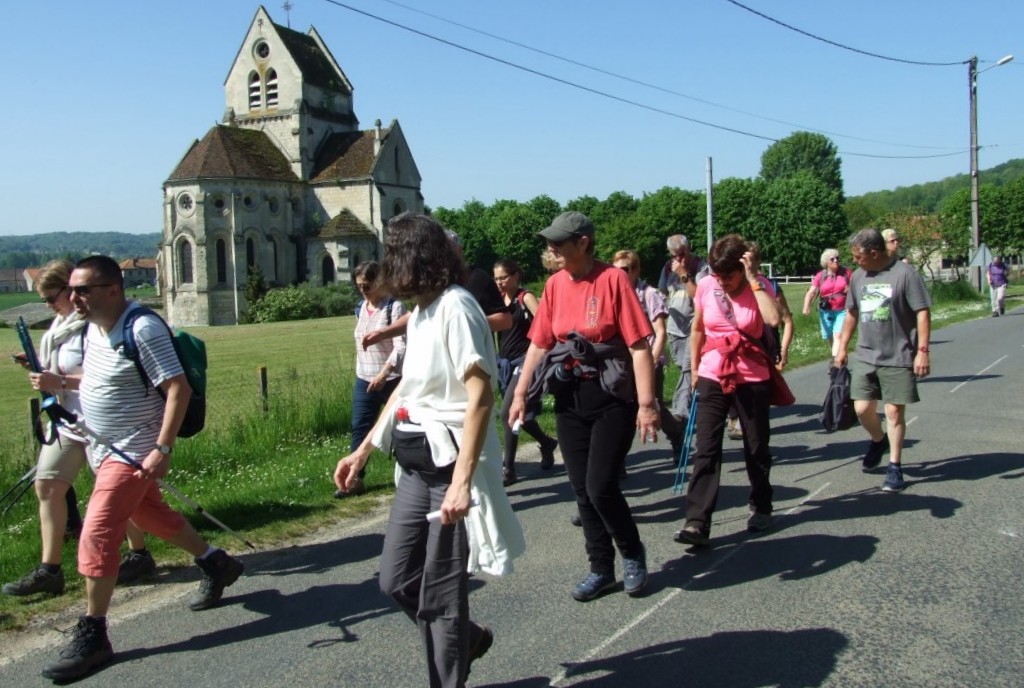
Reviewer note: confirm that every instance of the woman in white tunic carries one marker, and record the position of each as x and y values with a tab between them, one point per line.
440	421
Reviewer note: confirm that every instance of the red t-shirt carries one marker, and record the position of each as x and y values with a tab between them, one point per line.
600	306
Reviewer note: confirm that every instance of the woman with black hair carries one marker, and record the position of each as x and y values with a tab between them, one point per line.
512	346
439	421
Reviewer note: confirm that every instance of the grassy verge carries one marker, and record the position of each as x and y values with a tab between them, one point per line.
267	474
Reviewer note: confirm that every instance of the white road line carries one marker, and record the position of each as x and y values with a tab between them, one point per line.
911	420
988	367
593	652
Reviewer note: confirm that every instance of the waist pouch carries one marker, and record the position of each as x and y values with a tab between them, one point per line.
412	452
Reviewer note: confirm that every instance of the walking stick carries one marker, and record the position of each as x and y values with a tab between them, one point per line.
24	483
684	456
60	414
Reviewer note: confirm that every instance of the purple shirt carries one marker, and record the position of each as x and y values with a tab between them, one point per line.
998	275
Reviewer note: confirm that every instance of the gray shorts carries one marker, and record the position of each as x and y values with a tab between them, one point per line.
882	383
61	460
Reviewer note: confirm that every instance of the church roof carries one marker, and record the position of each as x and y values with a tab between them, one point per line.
344	224
234	152
315	66
347	155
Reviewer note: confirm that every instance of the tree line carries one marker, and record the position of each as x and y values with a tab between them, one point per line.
35	250
795	208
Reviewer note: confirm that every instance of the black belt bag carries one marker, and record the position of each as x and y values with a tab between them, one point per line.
412	451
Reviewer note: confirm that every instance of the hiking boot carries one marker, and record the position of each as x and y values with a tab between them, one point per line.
480	646
576	520
692	535
135	565
759	521
735	429
509	477
873	457
634	579
547	454
88	650
593	586
219	571
35	581
358	488
894	481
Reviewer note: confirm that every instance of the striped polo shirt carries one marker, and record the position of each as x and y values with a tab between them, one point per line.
117	405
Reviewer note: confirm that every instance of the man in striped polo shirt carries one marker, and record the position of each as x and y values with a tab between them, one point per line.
120	407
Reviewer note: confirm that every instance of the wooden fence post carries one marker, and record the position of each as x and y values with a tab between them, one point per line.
264	396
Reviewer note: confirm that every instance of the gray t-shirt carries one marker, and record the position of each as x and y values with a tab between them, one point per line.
680	306
887	302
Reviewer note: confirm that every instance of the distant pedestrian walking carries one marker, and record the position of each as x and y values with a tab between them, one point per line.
998	278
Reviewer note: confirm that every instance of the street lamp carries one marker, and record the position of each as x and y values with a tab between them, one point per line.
972	82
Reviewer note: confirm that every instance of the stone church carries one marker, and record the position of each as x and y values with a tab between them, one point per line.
287	182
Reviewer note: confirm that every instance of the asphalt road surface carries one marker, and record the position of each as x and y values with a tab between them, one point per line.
851	587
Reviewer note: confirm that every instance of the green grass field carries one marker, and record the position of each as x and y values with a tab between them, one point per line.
268	473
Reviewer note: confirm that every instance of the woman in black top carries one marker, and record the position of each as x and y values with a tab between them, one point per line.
512	346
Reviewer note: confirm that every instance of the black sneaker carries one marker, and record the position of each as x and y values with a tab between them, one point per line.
358	488
894	481
547	454
219	571
483	642
692	535
509	477
136	565
36	581
593	586
88	650
873	457
634	578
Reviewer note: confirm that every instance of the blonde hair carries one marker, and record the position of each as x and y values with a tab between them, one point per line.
55	275
631	256
550	261
827	255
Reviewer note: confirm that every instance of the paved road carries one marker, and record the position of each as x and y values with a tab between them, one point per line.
853	587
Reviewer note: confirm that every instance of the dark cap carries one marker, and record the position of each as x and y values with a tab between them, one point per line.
566	226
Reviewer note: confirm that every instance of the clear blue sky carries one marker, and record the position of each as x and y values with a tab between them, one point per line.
102	99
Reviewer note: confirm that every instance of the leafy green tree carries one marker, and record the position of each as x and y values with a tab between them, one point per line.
798	217
955	225
1014	216
513	227
255	286
736	201
470	224
619	204
583	204
862	213
804	151
920	236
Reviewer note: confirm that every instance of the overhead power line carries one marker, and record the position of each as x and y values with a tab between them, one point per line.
840	45
655	87
611	96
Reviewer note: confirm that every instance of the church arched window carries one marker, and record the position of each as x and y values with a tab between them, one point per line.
250	253
222	262
273	250
255	91
185	262
271	88
327	270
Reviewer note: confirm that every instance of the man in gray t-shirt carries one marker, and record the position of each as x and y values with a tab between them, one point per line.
686	270
889	303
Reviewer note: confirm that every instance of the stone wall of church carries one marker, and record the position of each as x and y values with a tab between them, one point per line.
360	198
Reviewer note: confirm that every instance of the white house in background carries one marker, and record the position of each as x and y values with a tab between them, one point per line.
287	182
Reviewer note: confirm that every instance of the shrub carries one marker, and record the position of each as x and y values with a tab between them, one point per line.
290	303
960	290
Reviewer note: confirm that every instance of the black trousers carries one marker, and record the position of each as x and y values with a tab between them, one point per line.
595	432
752	401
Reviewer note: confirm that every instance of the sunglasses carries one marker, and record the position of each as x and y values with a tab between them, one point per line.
559	244
84	289
50	300
833	260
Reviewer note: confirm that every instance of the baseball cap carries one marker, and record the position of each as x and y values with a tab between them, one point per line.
566	226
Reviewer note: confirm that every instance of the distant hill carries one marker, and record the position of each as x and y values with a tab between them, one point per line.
929	197
36	249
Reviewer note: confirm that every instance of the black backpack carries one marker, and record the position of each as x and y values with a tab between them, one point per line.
837	410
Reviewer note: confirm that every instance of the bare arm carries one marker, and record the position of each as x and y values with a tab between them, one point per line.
474	432
697	337
849	327
660	337
393	330
812	294
499	322
922	360
177	392
647	418
517	411
349	466
787	330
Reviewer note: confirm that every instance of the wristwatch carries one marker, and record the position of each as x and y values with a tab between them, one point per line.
164	449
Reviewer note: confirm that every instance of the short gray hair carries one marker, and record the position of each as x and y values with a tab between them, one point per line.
869	239
827	255
676	242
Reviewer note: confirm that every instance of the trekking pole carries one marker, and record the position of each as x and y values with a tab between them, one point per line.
24	483
69	419
684	456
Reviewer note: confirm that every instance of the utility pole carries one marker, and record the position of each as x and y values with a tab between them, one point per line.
711	207
972	83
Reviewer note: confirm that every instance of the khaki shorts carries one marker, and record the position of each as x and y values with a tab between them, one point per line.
61	460
882	383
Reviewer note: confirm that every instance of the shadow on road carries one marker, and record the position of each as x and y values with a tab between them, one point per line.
316	559
739	659
973	467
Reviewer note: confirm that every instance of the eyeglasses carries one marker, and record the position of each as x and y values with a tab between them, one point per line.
894	240
559	244
50	300
84	289
834	259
